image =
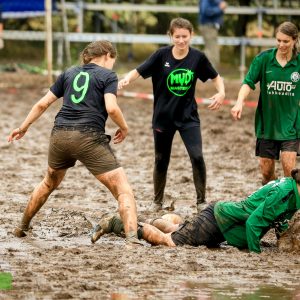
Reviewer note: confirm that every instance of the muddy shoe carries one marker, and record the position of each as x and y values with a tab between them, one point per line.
18	232
134	241
22	229
104	226
201	206
155	207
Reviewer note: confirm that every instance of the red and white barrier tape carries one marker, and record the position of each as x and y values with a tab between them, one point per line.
198	100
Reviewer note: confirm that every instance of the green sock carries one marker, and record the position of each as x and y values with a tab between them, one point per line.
117	226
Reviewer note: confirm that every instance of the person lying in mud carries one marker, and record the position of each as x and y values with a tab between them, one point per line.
241	224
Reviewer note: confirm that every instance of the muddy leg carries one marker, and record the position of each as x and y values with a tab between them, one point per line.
288	161
38	197
163	225
162	145
267	169
116	181
156	237
193	142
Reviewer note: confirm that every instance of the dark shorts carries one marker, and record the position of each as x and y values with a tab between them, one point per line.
271	149
202	230
88	145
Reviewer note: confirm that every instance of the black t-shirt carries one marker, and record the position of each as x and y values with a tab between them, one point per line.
83	89
174	82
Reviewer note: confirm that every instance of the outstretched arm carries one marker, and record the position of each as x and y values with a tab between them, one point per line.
37	110
131	76
237	109
218	98
116	115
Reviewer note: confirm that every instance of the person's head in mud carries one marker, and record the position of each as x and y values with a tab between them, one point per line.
296	175
88	92
241	224
287	37
99	50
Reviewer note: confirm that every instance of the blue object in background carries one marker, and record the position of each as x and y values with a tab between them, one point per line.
21	5
23	9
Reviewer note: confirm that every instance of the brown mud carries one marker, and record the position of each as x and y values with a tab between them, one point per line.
57	261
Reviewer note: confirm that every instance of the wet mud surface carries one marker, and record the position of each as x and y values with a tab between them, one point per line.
57	261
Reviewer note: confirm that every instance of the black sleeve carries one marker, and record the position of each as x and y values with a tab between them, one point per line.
58	87
205	69
148	67
111	84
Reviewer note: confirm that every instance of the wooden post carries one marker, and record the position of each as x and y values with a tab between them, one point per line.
48	44
66	30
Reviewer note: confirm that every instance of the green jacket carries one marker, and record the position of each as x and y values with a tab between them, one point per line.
278	112
244	223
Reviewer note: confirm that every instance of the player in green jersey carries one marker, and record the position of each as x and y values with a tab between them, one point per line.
277	119
241	223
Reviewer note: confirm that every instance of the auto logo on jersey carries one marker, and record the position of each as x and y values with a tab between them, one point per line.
283	88
180	81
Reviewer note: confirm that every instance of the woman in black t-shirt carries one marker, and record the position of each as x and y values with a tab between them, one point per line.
174	71
89	97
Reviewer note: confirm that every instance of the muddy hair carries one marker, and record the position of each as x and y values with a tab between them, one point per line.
291	30
97	49
180	23
295	173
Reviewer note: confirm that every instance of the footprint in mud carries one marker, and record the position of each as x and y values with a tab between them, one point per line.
59	222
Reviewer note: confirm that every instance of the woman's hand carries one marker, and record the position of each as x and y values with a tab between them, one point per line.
217	101
131	76
120	135
123	82
16	134
236	111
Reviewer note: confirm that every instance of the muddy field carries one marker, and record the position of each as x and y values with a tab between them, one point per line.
57	261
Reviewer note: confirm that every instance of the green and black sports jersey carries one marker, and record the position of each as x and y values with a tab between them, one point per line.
244	223
174	82
278	112
83	89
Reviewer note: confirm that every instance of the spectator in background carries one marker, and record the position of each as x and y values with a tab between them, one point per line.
210	19
1	29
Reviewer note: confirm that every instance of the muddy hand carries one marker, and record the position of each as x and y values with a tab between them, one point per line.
120	135
16	134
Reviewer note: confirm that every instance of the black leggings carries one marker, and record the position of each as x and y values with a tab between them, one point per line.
163	145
